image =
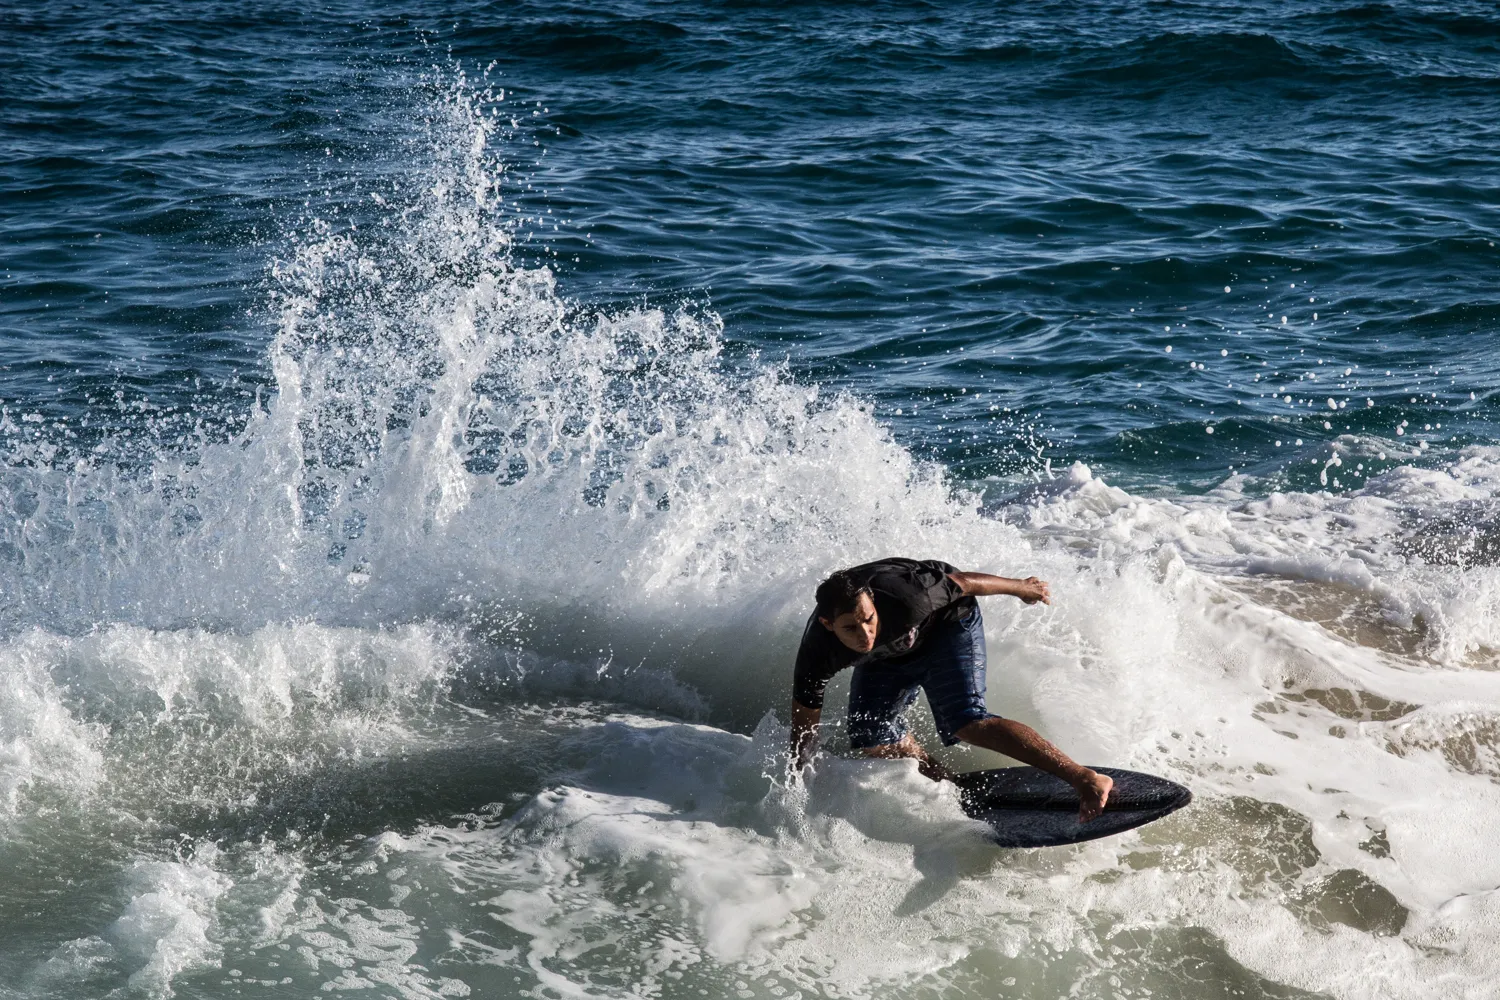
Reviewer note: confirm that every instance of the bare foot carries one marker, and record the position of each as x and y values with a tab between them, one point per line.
1093	792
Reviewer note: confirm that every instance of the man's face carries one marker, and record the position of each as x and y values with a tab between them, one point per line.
856	628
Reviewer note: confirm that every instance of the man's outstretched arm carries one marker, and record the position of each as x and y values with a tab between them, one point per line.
1030	590
1016	739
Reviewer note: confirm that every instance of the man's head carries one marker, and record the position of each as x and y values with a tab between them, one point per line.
846	609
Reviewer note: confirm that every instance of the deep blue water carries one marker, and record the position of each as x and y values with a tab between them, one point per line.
939	208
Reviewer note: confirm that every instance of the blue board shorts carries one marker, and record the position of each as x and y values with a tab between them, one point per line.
949	666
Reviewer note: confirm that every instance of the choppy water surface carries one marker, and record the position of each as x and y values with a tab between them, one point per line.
421	436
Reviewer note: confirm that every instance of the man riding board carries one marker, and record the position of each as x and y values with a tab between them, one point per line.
903	624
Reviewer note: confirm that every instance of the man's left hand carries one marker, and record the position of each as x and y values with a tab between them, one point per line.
1033	589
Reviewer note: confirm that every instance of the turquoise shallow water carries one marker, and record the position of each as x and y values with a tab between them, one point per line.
421	433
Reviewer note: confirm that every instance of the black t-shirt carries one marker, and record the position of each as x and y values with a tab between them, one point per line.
909	596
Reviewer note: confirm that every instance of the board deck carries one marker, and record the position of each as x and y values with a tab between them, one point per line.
1030	808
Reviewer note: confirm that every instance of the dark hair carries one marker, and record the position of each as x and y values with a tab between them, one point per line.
838	594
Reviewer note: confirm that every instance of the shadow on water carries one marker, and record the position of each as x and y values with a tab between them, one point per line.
483	764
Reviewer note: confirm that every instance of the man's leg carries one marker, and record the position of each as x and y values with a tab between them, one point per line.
955	684
1018	740
908	746
878	700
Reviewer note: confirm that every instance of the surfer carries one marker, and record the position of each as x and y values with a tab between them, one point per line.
904	624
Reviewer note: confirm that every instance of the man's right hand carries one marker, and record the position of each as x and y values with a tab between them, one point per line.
804	735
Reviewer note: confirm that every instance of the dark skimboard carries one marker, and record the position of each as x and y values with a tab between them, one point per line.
1031	808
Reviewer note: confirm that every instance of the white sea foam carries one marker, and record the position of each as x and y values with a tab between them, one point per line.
166	928
40	740
206	714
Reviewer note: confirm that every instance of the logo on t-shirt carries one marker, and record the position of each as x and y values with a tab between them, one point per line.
902	643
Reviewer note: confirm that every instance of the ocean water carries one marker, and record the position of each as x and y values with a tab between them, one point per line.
421	432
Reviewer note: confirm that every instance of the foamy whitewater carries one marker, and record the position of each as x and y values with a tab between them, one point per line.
462	670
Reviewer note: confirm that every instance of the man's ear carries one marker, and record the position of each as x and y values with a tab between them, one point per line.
826	624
